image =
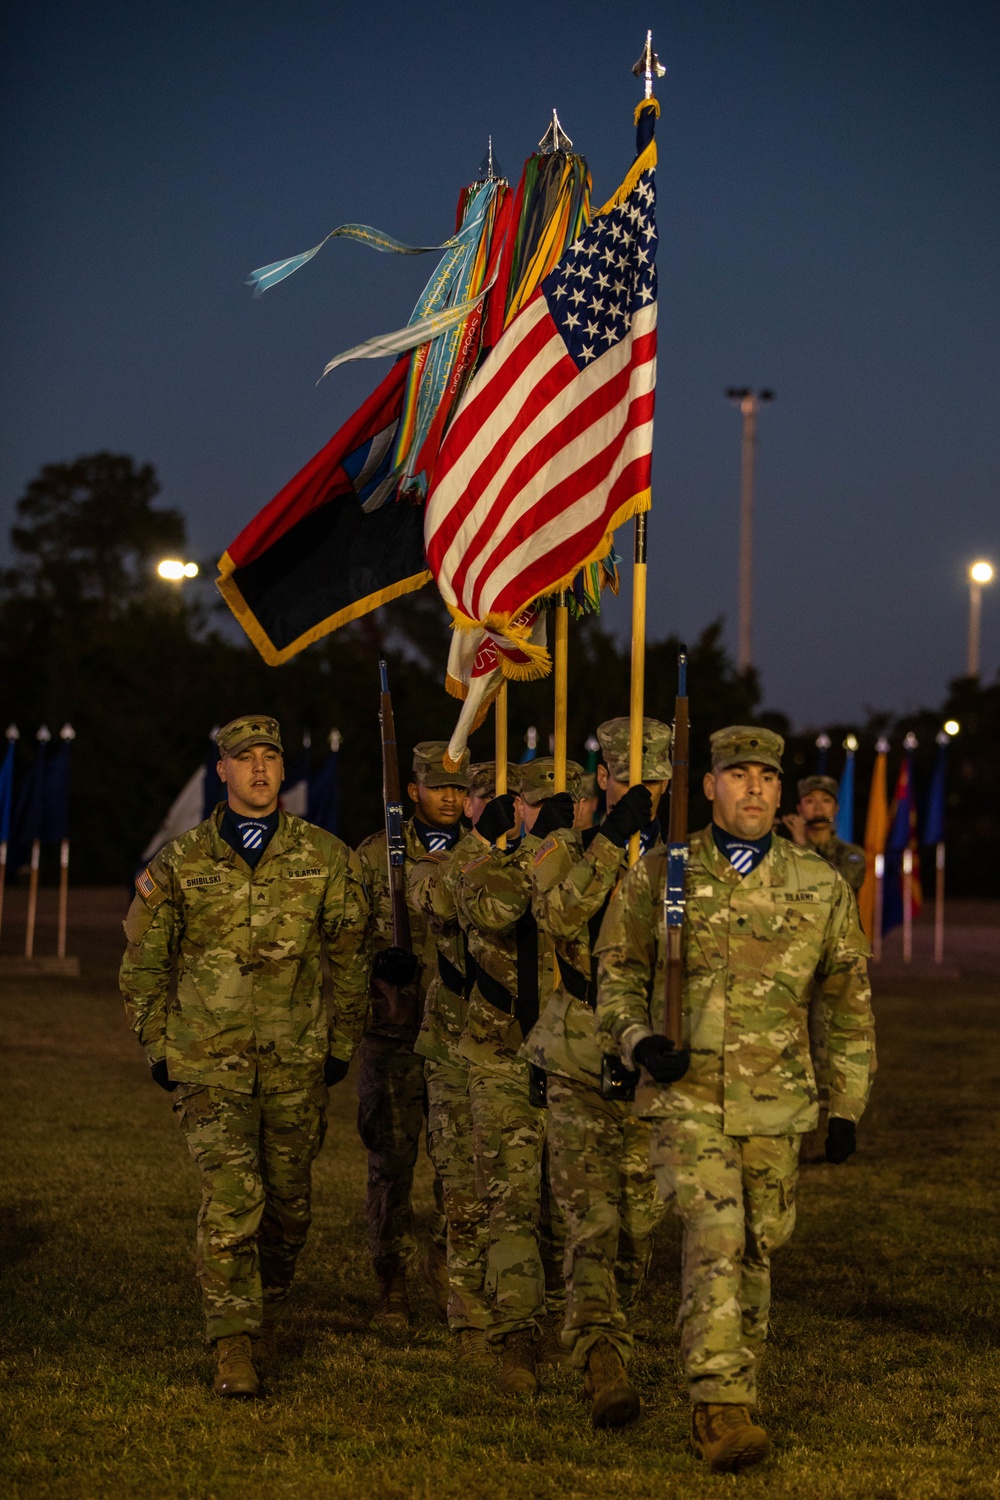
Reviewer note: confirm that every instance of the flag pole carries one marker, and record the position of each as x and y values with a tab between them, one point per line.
500	751
67	734
939	903
647	68
6	803
879	899
638	667
561	674
907	906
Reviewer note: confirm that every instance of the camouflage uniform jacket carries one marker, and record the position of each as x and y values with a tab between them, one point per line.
573	879
246	947
493	896
375	864
432	891
752	949
846	858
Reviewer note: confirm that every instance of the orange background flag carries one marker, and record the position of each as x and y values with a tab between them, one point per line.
876	832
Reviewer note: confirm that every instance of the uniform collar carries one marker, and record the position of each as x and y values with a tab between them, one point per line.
770	871
283	837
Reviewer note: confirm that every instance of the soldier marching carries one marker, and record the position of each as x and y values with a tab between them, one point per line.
531	992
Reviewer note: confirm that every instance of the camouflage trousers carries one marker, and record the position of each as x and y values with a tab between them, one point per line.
391	1103
527	1234
254	1153
736	1198
449	1141
605	1187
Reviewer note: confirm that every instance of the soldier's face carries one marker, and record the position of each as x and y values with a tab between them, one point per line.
437	806
253	779
744	799
818	808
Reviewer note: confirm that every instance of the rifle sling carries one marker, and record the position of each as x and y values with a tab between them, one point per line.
452	978
523	1006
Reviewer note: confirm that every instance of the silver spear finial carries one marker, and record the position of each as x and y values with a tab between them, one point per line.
555	138
649	65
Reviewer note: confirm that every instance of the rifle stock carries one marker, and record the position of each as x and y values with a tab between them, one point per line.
674	891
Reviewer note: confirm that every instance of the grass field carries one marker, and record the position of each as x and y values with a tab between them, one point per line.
882	1381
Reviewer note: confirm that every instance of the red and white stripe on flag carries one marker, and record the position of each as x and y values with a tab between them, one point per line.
552	445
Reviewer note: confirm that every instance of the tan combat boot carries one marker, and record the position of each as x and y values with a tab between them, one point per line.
234	1371
435	1269
393	1312
518	1364
613	1401
471	1348
726	1437
551	1349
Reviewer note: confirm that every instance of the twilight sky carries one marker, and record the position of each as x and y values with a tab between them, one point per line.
829	214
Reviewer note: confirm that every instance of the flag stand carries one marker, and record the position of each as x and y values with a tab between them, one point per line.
500	752
638	667
561	673
939	903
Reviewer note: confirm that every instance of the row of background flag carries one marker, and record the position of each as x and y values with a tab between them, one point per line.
39	813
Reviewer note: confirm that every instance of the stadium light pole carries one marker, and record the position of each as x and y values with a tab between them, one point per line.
175	571
980	573
749	403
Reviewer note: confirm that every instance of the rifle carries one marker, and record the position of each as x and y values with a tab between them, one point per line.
394	840
395	843
674	890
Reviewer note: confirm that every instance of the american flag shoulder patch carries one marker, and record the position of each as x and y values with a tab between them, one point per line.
544	850
146	885
473	864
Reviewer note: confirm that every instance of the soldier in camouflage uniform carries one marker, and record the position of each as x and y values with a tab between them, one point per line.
598	1150
764	921
222	980
449	1113
391	1096
812	827
512	977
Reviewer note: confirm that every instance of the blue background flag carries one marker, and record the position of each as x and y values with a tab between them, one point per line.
844	826
6	792
934	816
54	817
324	790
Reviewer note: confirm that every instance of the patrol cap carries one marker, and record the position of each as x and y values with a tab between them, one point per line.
251	729
483	779
538	780
819	784
613	736
428	765
742	744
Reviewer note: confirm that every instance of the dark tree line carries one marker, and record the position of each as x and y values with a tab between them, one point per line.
144	669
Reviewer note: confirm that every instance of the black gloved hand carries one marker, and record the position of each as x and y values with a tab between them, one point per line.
630	814
660	1058
158	1073
557	812
841	1140
395	966
334	1071
497	817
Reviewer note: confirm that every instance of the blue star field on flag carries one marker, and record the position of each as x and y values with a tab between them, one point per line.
606	276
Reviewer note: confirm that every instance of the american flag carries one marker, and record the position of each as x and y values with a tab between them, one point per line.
551	447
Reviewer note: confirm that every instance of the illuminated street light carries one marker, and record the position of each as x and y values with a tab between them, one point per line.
176	571
980	573
951	728
851	743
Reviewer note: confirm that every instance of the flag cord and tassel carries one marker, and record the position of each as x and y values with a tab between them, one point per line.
638	667
500	751
561	673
